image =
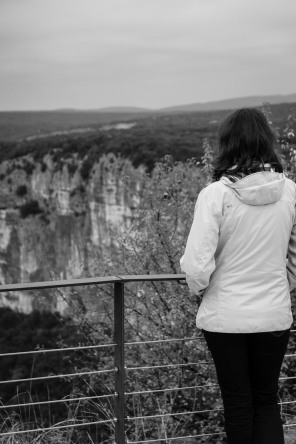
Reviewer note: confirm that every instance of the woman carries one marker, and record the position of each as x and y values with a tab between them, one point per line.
241	257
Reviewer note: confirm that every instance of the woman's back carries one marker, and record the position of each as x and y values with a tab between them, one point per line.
248	290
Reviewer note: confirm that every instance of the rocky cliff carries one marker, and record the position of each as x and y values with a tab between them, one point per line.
56	225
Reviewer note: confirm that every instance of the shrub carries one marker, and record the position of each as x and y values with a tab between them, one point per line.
72	167
86	168
43	167
21	190
29	167
30	208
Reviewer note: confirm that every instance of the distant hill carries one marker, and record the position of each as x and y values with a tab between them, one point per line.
237	102
20	125
227	104
109	109
16	125
122	109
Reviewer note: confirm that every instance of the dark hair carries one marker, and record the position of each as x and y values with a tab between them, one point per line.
245	138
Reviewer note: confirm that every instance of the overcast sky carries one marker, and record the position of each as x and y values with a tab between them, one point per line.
149	53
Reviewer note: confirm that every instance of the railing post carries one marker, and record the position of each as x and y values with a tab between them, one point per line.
119	362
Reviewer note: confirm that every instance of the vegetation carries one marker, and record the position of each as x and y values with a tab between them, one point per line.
38	331
15	126
21	190
32	332
30	208
153	136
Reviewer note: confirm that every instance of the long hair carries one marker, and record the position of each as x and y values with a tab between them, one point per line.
245	138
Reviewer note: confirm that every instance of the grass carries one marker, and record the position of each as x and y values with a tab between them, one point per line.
290	436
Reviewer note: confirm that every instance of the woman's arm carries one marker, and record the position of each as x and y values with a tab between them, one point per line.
291	262
198	261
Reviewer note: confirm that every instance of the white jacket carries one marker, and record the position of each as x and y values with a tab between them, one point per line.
237	252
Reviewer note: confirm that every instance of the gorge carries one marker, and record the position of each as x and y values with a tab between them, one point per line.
55	225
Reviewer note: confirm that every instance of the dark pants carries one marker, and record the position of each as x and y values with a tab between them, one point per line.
248	367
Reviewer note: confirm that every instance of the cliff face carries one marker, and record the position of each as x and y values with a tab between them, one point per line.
55	225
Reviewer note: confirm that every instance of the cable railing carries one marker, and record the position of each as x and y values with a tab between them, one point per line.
118	418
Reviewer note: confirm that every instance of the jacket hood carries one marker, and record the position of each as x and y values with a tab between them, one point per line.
262	188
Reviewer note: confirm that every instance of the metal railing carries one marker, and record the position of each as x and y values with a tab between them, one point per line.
119	370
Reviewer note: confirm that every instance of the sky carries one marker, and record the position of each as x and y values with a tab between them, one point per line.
148	53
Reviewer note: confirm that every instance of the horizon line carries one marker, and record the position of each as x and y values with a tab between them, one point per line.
146	109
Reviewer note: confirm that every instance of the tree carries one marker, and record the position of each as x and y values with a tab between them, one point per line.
153	244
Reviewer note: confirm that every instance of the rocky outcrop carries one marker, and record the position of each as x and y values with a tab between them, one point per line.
55	225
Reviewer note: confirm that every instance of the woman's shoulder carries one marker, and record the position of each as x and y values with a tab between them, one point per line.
215	189
290	183
289	189
215	195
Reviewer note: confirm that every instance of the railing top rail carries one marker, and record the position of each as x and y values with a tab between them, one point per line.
90	281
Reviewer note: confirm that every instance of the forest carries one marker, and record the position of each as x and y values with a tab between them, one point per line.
153	135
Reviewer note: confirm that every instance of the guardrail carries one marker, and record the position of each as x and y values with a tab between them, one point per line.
119	370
